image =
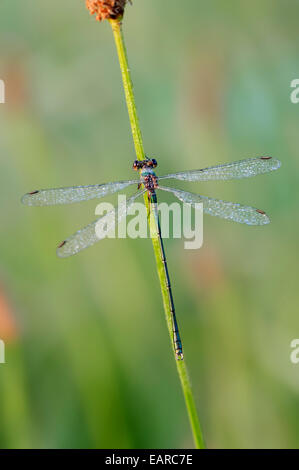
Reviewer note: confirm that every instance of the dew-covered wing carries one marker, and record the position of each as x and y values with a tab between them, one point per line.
224	209
228	171
95	231
50	197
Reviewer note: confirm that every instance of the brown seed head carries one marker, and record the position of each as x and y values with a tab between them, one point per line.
106	9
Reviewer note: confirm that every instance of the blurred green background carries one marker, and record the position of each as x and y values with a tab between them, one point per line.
88	358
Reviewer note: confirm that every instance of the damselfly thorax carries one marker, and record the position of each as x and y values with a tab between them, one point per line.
148	177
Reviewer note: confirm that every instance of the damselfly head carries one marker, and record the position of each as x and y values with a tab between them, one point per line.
148	163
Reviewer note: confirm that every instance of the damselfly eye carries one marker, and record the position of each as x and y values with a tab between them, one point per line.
154	162
136	165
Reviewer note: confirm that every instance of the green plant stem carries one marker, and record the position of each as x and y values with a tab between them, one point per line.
128	87
181	364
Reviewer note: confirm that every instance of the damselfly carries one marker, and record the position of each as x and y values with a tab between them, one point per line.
149	182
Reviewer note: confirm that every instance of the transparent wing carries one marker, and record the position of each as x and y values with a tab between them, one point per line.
50	197
226	210
92	233
229	171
